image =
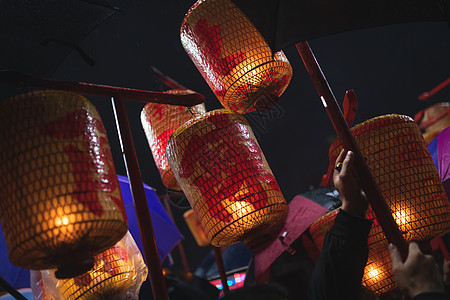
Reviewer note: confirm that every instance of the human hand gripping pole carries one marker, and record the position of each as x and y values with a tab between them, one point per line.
418	274
354	200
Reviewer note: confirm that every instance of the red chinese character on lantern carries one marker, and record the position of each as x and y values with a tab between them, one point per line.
226	163
75	125
211	38
158	146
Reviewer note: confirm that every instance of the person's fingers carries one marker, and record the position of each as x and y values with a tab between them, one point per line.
414	249
446	270
340	159
396	258
338	163
341	156
347	163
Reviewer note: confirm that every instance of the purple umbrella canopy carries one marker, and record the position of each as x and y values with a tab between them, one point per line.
440	151
166	234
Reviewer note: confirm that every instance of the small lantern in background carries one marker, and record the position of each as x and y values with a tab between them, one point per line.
196	228
378	275
159	122
405	172
118	273
233	57
433	120
60	202
225	176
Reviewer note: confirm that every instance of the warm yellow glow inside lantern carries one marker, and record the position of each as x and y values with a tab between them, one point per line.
64	227
373	273
233	57
60	202
403	220
159	122
118	273
405	172
225	176
377	275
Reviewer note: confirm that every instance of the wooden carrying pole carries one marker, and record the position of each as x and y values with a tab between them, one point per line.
173	85
11	290
165	199
370	187
221	269
92	89
141	207
140	201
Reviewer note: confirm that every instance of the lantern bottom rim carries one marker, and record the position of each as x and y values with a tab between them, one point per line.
73	268
272	213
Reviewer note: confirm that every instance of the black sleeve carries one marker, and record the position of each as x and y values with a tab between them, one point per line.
340	267
431	296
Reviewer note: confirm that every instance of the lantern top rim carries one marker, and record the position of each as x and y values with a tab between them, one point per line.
201	117
383	117
188	13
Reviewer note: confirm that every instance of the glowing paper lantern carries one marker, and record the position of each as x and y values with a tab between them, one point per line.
60	202
225	176
378	272
378	275
159	122
118	273
196	228
405	172
233	57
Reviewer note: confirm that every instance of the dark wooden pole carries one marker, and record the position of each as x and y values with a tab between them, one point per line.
20	79
180	248
221	268
140	201
10	289
370	187
123	127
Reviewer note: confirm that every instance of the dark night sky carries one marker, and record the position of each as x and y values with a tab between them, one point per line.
388	67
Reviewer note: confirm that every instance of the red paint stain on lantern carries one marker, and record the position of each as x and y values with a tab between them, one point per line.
72	126
227	166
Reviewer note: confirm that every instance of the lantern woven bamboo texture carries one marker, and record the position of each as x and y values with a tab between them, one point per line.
225	177
405	172
60	202
159	122
118	273
233	57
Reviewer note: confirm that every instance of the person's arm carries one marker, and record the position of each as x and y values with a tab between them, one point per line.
418	277
340	267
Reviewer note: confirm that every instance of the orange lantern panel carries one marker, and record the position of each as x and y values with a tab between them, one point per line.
406	174
233	57
118	273
378	275
225	177
159	122
60	202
